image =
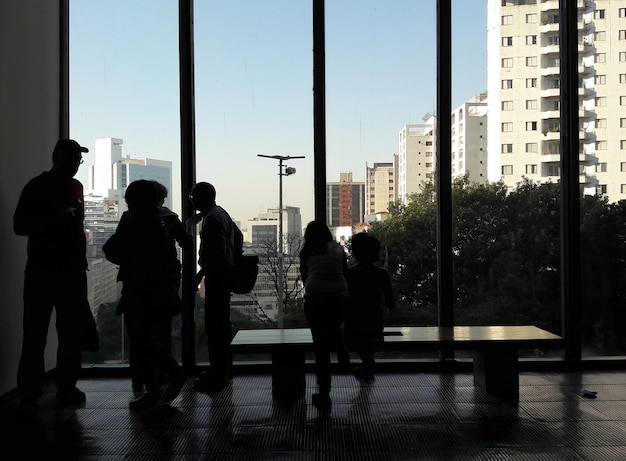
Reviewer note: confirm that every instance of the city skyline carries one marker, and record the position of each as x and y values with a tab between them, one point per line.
254	88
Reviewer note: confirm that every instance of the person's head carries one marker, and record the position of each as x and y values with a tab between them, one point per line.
142	196
202	196
365	248
317	232
67	157
161	191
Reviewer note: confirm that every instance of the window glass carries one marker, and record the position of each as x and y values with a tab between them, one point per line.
124	107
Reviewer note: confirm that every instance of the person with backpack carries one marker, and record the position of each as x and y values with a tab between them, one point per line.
221	244
142	249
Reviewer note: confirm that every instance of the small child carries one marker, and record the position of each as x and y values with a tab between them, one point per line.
370	292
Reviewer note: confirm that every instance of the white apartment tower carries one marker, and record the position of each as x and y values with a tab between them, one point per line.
416	157
523	87
380	186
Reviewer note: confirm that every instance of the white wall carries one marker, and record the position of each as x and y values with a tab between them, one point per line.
29	128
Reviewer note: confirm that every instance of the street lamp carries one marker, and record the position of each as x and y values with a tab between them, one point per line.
288	171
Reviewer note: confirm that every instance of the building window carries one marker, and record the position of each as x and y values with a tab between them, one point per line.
507	127
601	189
600	145
622	12
531	83
531	61
553	40
531	126
622	167
599	36
531	18
601	101
622	122
507	84
531	104
507	148
507	62
600	58
622	78
507	105
507	20
531	147
622	144
531	40
623	188
531	169
601	123
599	80
598	14
601	167
507	169
507	41
622	34
622	100
622	56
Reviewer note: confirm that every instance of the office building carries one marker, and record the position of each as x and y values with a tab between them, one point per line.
524	89
380	187
345	201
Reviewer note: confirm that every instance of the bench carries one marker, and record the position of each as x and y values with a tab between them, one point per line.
495	351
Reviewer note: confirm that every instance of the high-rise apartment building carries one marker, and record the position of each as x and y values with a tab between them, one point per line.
523	86
265	228
380	187
345	201
416	157
469	139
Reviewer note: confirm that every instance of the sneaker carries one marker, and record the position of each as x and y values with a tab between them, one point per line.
321	401
145	400
173	388
70	396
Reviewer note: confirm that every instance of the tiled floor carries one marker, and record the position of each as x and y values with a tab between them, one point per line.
400	416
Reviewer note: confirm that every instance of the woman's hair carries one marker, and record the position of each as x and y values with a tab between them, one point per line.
142	196
316	237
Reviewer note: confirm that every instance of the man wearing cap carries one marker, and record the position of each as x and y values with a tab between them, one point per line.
50	212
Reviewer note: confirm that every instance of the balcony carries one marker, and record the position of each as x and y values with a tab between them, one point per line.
550	5
548	157
549	27
550	49
547	71
550	93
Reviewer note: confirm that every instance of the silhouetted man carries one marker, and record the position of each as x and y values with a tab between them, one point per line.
50	212
220	242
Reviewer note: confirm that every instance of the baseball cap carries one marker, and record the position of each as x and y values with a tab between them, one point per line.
69	146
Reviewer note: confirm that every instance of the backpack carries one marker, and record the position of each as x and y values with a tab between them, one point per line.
246	267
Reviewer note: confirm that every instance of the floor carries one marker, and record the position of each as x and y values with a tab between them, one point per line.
399	416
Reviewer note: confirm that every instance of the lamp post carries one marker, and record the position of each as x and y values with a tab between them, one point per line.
288	171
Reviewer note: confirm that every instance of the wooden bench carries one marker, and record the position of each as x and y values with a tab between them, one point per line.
495	351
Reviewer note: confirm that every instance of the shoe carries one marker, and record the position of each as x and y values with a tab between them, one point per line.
138	388
173	388
145	400
321	401
70	396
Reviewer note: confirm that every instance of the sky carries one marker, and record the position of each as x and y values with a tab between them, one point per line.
253	86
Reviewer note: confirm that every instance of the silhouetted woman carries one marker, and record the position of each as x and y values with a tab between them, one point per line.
323	265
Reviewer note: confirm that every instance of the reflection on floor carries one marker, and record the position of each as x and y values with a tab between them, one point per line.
399	416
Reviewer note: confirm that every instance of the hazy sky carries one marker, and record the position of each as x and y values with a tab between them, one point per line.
253	85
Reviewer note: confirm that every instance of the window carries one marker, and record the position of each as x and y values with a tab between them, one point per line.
531	83
601	123
531	61
622	144
507	105
507	84
622	122
507	148
531	18
598	14
599	36
507	41
623	188
507	62
601	189
531	147
507	20
622	78
622	56
622	100
600	58
600	145
531	126
531	40
531	169
531	104
622	34
622	167
621	12
601	101
507	127
599	80
601	167
507	169
553	40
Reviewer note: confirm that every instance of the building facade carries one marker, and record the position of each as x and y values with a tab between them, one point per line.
345	201
380	187
524	90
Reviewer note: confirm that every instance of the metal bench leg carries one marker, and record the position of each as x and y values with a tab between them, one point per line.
497	371
288	375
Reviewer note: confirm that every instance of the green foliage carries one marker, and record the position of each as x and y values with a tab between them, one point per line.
506	255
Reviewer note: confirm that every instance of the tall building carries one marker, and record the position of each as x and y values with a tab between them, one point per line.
469	139
265	228
523	85
416	157
345	201
380	187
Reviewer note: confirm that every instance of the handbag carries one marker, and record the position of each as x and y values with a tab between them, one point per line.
245	273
